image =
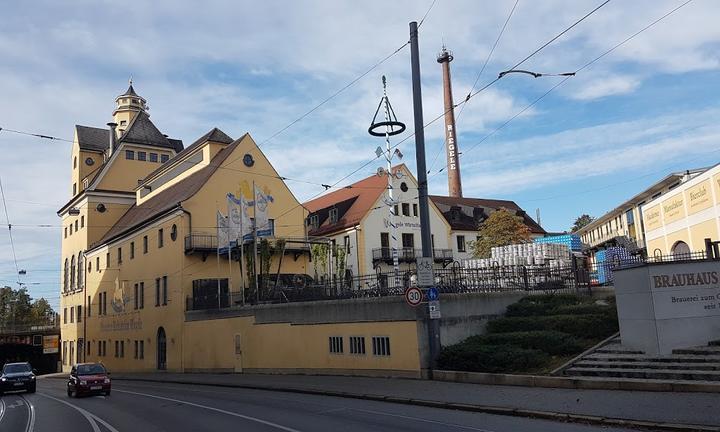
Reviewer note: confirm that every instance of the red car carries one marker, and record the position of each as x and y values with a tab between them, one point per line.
88	379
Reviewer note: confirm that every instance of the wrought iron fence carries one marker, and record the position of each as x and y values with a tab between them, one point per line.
602	273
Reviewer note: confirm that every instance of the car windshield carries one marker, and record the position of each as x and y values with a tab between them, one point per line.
91	369
17	368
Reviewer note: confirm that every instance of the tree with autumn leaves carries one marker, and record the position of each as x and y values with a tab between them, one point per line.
501	228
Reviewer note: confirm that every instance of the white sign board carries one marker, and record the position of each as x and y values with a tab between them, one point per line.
685	294
434	308
425	275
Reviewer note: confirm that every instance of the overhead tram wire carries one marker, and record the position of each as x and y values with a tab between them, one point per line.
426	14
487	60
9	225
566	78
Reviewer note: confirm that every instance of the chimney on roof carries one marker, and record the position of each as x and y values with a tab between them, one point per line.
111	147
451	147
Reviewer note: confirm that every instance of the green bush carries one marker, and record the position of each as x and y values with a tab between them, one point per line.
563	304
593	326
551	342
490	358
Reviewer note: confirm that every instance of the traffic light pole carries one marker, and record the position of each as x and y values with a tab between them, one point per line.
425	235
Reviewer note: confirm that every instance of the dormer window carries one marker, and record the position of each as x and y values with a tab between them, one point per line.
314	222
333	215
123	122
135	101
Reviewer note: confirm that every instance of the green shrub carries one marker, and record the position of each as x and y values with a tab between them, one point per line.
594	326
490	358
551	342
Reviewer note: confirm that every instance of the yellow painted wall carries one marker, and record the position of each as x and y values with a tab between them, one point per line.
674	237
655	244
210	345
123	174
652	218
701	231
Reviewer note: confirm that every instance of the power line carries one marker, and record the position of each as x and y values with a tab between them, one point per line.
9	225
487	60
566	78
426	14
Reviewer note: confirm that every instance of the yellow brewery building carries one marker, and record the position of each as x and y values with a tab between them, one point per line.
144	287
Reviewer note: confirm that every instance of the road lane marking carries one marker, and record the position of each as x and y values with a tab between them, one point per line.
2	409
230	413
90	417
31	415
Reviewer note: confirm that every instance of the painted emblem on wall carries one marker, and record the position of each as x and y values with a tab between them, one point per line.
120	299
248	160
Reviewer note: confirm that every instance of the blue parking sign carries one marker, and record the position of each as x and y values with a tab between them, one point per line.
433	294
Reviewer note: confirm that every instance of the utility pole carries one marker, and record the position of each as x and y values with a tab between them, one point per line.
433	324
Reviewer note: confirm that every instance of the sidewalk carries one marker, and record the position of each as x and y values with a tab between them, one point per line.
662	411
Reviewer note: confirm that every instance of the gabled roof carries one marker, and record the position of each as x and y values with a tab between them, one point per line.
215	135
167	200
353	203
92	138
468	222
142	131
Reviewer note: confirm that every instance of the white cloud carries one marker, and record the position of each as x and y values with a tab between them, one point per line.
608	86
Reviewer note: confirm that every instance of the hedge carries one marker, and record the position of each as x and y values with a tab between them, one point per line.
557	305
551	342
490	358
593	326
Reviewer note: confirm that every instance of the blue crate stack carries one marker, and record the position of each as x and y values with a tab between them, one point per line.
572	241
601	263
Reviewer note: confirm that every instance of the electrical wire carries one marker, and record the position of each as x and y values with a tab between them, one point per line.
487	60
426	14
9	225
566	78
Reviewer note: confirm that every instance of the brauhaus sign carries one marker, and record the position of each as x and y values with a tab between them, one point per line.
664	306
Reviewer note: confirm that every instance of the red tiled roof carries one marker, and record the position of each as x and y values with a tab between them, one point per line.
360	196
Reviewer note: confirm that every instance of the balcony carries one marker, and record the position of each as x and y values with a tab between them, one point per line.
207	244
406	255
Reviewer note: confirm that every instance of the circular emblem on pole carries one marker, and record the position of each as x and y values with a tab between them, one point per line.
413	296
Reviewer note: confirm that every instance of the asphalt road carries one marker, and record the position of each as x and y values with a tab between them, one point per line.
149	407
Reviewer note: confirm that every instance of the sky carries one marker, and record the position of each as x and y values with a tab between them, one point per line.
646	109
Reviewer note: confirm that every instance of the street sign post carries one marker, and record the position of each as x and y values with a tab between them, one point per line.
434	308
425	271
413	296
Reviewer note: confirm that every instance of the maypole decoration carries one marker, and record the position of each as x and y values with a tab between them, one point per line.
392	127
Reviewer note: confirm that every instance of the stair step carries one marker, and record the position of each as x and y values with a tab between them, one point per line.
667	374
703	366
675	358
706	350
618	350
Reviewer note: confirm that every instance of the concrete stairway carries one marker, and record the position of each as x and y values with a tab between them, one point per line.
615	361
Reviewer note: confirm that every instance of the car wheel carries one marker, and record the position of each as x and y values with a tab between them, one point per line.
69	392
107	393
31	389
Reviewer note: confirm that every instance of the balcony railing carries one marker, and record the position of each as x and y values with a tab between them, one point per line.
409	254
200	243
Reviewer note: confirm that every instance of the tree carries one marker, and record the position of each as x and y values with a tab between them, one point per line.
18	308
501	228
581	222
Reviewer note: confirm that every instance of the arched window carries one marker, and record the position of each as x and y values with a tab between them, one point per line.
681	250
80	268
66	276
72	272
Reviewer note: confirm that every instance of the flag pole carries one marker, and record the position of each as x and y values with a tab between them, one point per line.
255	251
241	243
218	252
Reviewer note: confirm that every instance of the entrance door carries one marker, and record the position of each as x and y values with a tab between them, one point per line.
238	354
161	349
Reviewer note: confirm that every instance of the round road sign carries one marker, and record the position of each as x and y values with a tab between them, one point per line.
413	296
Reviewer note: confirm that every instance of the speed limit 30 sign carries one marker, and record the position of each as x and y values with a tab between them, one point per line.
413	296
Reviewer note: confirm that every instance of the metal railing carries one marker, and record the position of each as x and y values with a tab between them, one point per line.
200	242
409	254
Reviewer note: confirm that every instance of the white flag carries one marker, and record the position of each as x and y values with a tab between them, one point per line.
235	218
223	233
246	228
261	214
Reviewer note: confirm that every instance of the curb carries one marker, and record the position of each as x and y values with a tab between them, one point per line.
514	412
586	383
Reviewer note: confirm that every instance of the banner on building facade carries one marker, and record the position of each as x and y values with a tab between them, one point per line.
51	344
223	234
234	219
261	213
